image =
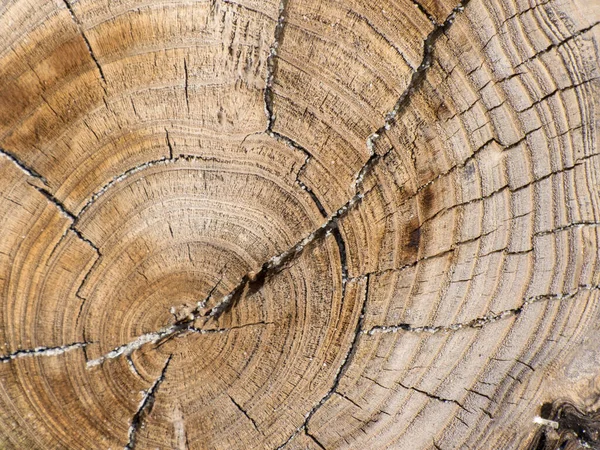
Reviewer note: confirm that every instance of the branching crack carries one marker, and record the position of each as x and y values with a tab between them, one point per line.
59	205
132	366
479	322
269	111
418	76
128	348
416	80
43	351
558	44
291	143
252	282
315	440
314	197
145	407
68	214
335	232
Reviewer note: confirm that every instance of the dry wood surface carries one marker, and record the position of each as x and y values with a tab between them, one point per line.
299	224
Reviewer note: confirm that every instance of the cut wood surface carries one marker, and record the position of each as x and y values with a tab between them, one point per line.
304	224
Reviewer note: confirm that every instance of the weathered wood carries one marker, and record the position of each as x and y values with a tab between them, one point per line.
308	224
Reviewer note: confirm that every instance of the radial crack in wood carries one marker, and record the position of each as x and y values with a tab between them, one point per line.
145	407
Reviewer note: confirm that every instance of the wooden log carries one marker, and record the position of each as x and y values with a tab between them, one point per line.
261	224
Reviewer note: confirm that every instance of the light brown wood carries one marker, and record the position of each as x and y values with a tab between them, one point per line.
308	224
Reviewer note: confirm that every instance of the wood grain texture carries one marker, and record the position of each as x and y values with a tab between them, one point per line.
299	225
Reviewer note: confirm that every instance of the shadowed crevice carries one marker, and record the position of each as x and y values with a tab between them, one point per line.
425	12
186	88
244	412
313	197
169	144
418	76
272	65
28	170
69	215
315	440
145	407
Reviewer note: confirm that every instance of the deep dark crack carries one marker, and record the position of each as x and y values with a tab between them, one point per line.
315	440
145	407
243	411
132	366
23	166
186	87
417	79
272	64
65	212
425	12
169	144
59	205
313	197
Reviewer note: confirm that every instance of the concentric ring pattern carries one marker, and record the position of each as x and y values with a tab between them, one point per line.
304	224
